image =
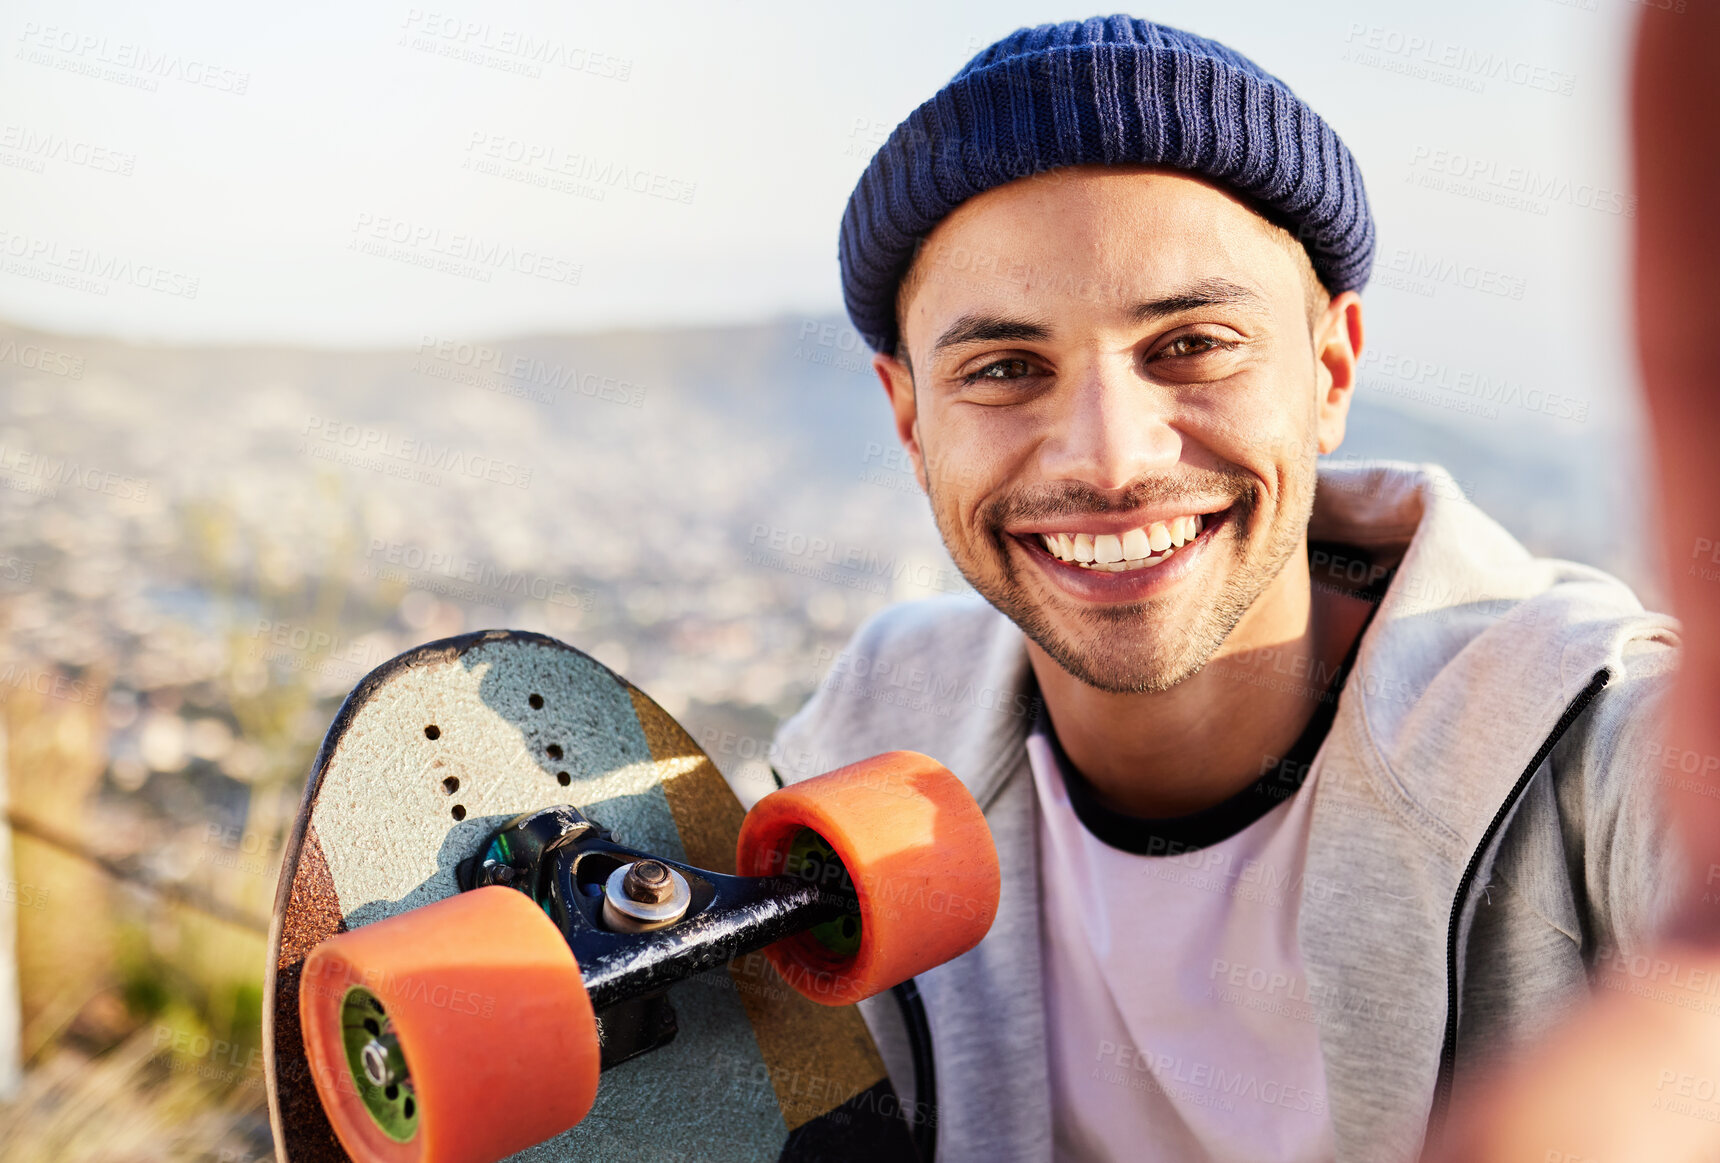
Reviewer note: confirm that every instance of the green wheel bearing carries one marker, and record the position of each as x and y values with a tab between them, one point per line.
812	858
394	1107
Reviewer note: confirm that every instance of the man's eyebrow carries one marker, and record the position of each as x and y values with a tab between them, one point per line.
1206	293
989	329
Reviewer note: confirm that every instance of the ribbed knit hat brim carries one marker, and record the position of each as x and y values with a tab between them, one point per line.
1112	90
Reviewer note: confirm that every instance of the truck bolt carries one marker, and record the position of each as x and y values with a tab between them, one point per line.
648	882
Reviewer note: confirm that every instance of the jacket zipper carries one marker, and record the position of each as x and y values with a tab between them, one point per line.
1448	1054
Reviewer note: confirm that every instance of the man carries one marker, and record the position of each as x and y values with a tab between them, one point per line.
1310	787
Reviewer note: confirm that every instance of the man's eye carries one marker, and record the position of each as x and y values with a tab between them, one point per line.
1002	369
1194	345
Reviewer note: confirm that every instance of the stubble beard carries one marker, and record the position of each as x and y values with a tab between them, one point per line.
1143	647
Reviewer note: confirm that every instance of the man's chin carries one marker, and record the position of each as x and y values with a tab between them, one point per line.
1128	656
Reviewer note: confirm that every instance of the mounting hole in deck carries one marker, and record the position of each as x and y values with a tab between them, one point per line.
537	702
451	785
563	778
459	812
432	732
554	750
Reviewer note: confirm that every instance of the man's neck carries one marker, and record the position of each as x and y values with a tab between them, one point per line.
1177	751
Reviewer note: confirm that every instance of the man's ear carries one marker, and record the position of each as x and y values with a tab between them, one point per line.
899	386
1337	352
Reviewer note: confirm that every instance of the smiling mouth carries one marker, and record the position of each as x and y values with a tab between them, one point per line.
1137	549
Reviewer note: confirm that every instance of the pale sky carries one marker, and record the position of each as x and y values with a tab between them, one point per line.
237	162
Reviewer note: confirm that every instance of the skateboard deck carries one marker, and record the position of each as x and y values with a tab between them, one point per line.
438	748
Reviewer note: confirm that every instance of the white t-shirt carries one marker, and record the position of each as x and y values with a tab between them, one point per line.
1177	1019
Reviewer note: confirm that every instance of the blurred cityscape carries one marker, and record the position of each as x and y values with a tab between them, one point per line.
202	550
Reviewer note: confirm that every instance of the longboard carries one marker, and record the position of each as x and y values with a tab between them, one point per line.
426	759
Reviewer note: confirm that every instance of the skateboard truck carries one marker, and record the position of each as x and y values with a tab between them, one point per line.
428	1032
638	922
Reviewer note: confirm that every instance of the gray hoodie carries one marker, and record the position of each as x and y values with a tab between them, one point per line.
1485	822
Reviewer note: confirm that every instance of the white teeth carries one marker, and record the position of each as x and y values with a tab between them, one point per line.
1114	553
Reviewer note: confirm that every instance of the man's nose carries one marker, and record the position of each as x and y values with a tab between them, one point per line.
1111	427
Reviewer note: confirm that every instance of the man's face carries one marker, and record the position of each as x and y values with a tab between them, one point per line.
1115	406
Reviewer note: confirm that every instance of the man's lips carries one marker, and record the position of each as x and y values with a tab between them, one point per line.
1128	580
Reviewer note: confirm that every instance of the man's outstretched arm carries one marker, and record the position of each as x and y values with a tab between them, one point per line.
1628	1079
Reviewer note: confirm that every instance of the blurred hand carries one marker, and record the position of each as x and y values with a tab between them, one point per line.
1634	1078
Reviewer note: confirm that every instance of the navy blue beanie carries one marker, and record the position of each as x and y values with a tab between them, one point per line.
1110	90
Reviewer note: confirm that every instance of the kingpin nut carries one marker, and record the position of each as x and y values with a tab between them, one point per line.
649	882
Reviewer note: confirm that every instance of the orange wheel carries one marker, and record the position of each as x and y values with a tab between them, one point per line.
459	1032
920	856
